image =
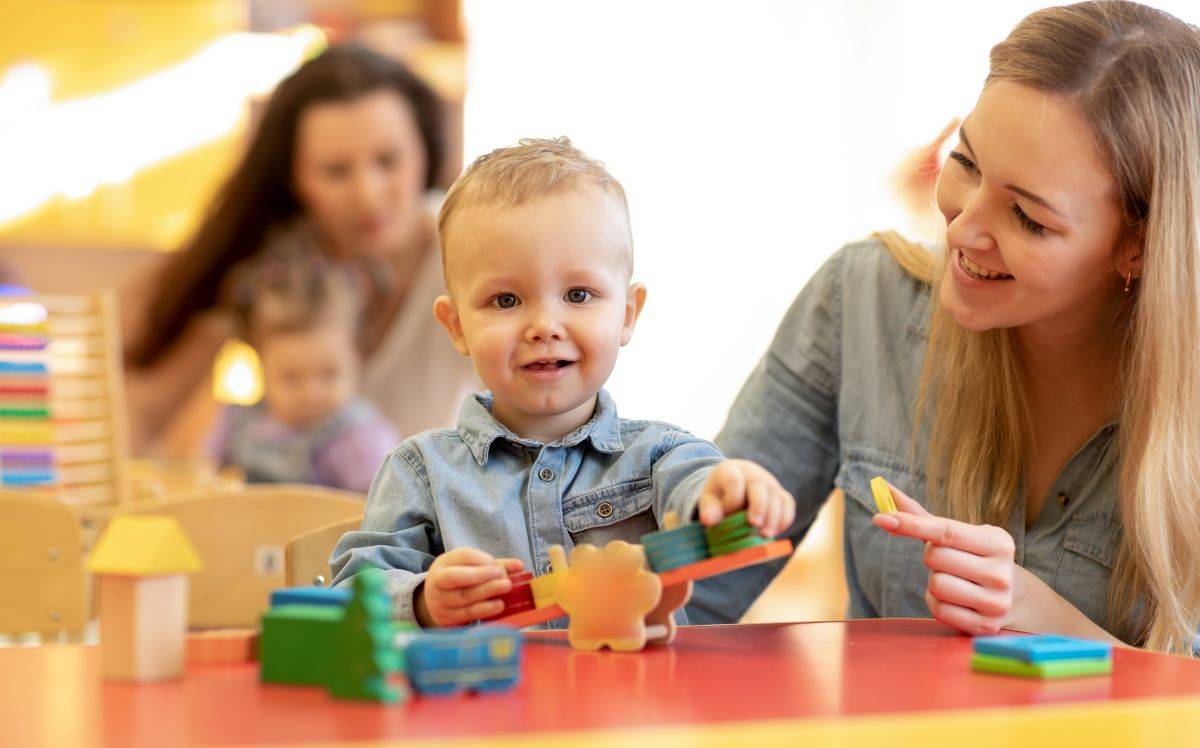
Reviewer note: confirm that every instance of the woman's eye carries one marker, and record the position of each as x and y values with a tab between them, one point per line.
1026	222
966	163
578	295
505	301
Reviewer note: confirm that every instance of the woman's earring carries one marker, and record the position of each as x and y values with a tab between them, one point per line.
1128	280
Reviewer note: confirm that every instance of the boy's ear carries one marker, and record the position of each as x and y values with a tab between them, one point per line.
447	316
635	299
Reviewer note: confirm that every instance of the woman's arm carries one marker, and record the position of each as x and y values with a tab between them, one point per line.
785	419
154	394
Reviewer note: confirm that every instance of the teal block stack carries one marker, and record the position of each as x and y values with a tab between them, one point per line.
671	549
1041	656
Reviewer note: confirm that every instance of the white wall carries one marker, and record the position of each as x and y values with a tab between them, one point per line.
753	137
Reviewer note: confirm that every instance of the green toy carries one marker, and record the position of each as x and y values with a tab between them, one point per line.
363	653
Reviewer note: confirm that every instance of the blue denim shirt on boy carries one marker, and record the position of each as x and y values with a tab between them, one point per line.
480	485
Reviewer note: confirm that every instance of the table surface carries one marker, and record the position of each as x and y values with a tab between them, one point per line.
712	680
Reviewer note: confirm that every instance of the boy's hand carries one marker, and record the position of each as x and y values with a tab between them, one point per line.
741	484
460	586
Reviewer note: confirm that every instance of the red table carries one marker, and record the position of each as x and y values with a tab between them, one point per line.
772	683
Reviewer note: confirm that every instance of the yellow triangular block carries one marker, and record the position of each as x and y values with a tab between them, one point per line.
144	546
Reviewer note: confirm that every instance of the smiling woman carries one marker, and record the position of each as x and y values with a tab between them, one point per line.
1040	372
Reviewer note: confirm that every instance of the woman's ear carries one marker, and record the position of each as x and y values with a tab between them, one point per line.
447	316
1129	255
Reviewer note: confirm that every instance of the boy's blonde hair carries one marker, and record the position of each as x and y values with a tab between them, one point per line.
507	177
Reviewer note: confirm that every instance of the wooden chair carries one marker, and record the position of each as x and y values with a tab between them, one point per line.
241	536
62	398
306	557
41	567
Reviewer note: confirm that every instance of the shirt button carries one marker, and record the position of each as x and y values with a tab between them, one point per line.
546	474
549	568
1063	499
605	510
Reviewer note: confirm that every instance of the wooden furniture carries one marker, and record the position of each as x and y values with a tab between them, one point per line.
306	556
884	683
240	536
41	567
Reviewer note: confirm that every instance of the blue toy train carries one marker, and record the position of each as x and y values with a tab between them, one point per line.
481	659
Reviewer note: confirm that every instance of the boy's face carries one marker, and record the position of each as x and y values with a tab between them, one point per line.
540	300
308	375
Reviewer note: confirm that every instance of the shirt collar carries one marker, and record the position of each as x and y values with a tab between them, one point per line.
479	428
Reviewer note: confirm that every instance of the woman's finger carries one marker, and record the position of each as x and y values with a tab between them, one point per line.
905	503
961	618
982	540
991	572
948	588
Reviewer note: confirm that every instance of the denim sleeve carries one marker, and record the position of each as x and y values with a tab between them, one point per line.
785	419
398	534
679	474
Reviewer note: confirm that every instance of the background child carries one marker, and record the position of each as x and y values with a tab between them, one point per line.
538	257
300	313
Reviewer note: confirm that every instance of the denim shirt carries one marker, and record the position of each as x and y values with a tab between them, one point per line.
482	486
832	403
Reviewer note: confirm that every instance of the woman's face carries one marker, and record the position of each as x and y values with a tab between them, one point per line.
1032	217
359	170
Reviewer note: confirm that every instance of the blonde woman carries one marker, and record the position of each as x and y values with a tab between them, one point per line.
1034	385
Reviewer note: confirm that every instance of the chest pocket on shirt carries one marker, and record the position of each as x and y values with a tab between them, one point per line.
1090	551
618	512
890	571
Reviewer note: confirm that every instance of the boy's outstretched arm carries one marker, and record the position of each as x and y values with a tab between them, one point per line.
399	533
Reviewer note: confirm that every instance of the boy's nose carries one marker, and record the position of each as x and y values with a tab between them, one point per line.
543	327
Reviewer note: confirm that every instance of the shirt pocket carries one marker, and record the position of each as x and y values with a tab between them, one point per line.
1090	545
617	512
889	571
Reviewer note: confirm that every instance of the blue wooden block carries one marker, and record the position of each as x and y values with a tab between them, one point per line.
310	596
1042	648
481	659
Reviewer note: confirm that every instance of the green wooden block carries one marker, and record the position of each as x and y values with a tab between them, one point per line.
296	645
1048	669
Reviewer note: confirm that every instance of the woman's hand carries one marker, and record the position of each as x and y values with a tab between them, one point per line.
972	571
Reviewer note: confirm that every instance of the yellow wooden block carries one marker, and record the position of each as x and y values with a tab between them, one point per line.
883	495
543	590
143	546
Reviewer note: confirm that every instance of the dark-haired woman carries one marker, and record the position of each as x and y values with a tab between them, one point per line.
347	152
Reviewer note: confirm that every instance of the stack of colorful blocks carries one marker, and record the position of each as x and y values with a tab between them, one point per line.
26	428
1041	656
673	548
517	599
731	535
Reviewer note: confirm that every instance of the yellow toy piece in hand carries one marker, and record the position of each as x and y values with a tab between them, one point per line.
883	495
608	593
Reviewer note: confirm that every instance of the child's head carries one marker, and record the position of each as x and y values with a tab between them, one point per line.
538	255
300	312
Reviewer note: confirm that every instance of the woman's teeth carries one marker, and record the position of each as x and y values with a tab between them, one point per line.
976	271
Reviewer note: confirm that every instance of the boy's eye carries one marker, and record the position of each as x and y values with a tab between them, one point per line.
506	301
578	295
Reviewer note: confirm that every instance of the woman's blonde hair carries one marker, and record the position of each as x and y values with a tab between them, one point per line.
1133	73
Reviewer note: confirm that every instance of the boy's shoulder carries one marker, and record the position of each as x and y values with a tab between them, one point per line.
643	431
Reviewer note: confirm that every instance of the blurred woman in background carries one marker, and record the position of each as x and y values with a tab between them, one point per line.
347	151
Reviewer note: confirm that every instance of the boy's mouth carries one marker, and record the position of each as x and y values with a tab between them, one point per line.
548	364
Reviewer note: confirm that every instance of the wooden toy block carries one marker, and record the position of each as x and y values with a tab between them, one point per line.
727	563
141	563
311	596
1041	648
1049	669
608	593
296	644
481	659
364	655
222	646
884	501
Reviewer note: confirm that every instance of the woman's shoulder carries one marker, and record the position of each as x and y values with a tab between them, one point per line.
884	284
